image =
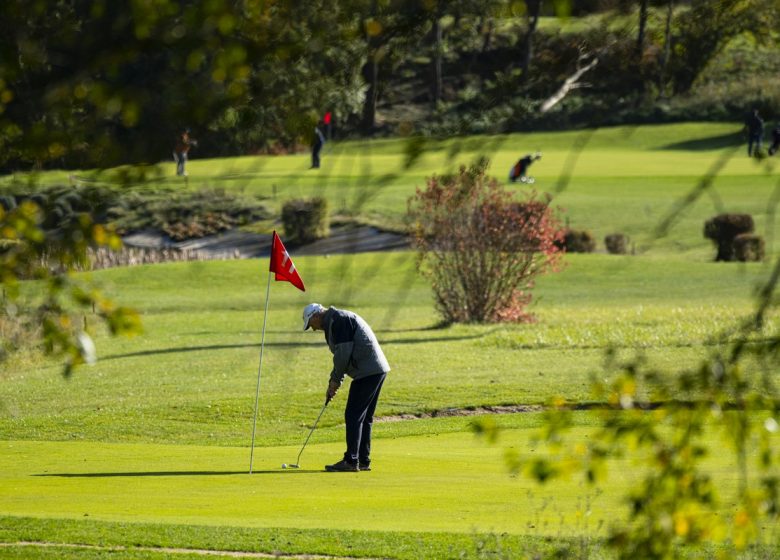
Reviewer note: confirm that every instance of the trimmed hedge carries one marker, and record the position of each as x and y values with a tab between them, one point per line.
305	220
749	248
577	241
616	243
723	229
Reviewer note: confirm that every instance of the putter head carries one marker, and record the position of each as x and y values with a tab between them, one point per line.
294	466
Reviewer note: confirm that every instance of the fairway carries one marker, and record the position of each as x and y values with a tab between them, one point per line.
150	446
627	179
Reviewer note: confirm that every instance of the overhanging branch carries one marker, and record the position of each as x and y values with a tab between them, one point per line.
572	82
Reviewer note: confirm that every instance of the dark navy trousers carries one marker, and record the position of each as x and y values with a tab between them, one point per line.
359	417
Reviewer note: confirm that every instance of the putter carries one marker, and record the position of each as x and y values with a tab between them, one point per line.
296	465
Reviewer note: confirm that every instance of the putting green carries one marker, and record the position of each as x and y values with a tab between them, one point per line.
448	482
437	483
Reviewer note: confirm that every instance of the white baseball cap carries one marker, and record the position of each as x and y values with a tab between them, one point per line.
310	310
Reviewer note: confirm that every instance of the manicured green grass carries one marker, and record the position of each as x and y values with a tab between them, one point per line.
344	543
210	485
433	496
152	441
158	431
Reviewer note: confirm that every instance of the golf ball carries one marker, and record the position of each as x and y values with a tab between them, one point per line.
284	465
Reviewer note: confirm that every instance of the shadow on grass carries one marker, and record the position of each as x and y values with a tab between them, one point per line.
207	348
705	144
177	473
318	343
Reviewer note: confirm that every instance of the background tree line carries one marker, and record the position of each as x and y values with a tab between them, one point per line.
99	83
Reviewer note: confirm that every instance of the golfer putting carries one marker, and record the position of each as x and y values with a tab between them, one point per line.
356	353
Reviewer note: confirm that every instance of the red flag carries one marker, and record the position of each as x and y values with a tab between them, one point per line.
326	118
282	265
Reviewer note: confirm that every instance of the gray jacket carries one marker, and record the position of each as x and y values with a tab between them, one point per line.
355	349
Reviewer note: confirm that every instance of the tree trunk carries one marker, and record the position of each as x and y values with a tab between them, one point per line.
487	34
370	73
371	76
640	38
667	51
533	7
437	56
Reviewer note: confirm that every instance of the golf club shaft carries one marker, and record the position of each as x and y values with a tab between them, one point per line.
298	460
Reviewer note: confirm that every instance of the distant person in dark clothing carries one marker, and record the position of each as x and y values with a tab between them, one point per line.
316	146
755	129
180	150
775	139
519	171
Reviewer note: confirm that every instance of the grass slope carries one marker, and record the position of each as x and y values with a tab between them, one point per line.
191	377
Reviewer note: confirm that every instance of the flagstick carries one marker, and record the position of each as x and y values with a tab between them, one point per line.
259	369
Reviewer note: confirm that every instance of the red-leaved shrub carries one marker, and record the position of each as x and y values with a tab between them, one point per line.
480	247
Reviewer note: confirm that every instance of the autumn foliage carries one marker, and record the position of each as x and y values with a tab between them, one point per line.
482	248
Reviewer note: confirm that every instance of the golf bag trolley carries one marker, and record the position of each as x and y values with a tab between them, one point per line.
519	171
